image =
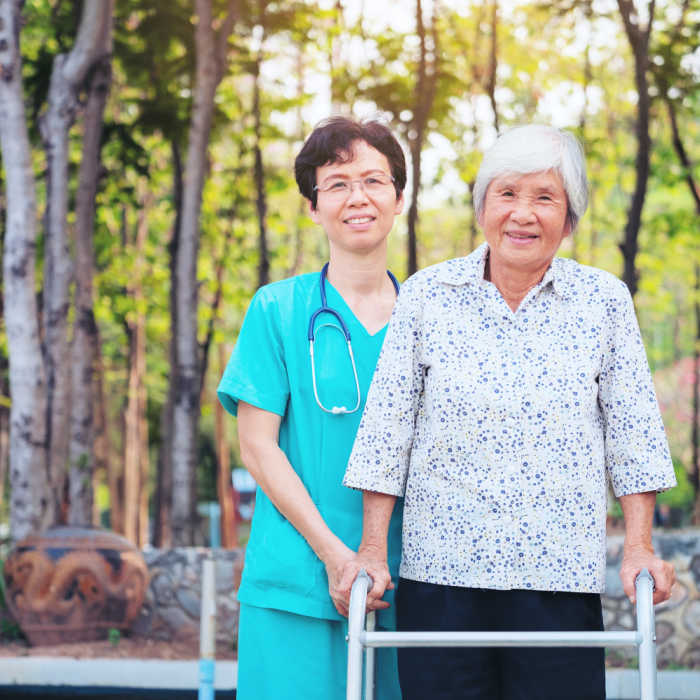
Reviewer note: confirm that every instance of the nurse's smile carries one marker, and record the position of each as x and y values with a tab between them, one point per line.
360	223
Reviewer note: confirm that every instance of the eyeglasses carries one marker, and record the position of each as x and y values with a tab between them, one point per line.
340	188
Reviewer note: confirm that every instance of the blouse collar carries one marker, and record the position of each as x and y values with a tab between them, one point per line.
470	270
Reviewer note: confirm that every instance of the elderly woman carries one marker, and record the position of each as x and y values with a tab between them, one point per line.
297	380
511	385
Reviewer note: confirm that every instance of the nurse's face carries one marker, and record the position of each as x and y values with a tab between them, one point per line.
356	202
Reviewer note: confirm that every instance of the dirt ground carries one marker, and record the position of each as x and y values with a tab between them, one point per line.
125	647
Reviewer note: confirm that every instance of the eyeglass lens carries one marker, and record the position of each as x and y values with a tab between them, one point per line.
370	184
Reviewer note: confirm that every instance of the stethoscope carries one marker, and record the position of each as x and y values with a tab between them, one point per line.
324	308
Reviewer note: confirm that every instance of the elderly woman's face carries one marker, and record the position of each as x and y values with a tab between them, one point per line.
524	220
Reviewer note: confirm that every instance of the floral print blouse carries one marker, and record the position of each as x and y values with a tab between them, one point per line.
500	428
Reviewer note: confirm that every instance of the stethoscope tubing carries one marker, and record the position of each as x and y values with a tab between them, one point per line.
324	308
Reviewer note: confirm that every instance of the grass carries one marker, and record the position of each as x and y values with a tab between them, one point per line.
9	630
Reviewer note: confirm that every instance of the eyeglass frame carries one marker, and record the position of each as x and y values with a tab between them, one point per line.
350	183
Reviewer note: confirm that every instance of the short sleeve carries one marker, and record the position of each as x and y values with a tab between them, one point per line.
636	450
382	450
256	372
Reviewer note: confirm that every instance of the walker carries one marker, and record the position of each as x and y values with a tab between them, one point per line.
358	638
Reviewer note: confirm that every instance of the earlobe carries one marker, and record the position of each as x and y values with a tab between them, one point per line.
399	204
313	213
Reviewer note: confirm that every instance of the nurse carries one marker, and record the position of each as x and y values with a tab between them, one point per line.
297	380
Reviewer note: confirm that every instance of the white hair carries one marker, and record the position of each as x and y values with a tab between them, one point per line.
536	148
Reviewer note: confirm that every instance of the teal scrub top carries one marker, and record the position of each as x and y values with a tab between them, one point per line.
270	368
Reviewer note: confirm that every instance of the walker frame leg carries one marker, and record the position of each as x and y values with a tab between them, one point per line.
369	659
646	629
356	625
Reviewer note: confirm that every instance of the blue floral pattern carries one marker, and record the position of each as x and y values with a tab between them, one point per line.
500	428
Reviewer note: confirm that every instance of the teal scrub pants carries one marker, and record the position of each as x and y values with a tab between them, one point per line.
290	656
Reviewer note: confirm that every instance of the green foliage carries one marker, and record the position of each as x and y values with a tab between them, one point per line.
50	28
10	631
114	636
681	496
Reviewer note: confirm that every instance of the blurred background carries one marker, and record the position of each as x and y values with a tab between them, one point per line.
147	190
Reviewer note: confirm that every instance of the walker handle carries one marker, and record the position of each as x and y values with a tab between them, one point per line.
370	581
644	574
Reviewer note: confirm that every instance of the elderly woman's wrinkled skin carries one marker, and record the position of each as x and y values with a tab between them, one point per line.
524	222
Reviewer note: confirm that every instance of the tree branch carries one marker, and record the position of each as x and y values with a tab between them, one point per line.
223	36
90	42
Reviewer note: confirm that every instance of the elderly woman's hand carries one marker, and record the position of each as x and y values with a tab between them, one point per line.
636	558
373	561
638	552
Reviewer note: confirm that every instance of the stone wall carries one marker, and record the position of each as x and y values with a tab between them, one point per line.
171	609
678	619
173	600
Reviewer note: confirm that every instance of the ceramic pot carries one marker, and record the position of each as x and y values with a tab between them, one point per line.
73	584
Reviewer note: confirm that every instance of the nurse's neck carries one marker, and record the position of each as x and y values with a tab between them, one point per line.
359	276
365	287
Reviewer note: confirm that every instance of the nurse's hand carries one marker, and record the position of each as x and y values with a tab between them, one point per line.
340	563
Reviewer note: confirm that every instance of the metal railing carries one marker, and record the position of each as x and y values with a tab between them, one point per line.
367	639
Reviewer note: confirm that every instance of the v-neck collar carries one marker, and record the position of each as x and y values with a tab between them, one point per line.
347	312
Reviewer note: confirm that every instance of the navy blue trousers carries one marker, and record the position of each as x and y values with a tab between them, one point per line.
498	673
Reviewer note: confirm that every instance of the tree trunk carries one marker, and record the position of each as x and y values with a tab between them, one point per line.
229	536
132	467
682	154
162	534
4	426
4	379
416	148
102	471
220	269
260	199
224	486
67	78
639	42
695	430
297	243
476	79
105	461
336	25
135	442
210	55
583	117
144	461
84	347
425	95
31	503
493	64
583	126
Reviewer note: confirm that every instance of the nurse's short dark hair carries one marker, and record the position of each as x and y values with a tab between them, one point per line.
332	142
